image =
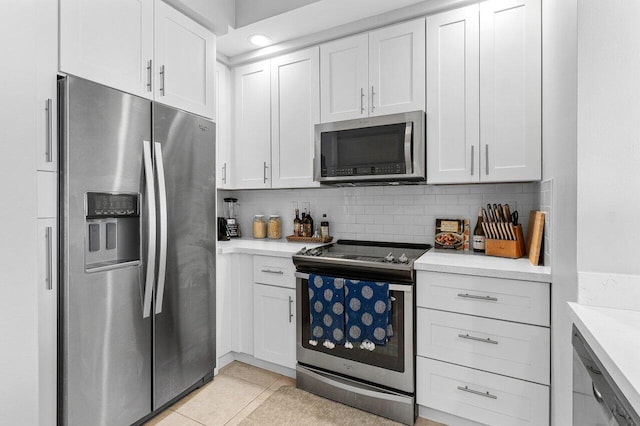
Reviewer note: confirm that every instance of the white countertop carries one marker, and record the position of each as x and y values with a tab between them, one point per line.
614	336
278	248
482	265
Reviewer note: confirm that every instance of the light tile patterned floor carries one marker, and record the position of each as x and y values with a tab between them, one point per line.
227	400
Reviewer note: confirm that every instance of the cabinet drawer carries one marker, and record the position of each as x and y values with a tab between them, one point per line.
512	349
274	270
512	300
480	396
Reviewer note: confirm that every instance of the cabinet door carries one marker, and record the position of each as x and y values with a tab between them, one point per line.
274	325
344	76
109	42
223	124
47	69
453	110
295	109
510	90
396	68
252	148
185	56
47	235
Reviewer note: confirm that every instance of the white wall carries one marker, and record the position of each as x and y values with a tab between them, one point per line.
609	153
559	167
385	213
18	296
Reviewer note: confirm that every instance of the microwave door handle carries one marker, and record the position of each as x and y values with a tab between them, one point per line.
408	131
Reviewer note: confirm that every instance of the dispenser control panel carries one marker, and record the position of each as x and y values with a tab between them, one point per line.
102	205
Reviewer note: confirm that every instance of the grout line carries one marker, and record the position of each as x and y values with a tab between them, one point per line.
187	417
249	403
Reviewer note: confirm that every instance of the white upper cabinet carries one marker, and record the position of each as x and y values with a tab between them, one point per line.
295	109
453	110
223	126
185	56
344	78
112	43
252	147
484	93
510	90
380	72
396	68
109	42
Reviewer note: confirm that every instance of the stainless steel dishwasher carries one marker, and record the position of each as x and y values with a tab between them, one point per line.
597	400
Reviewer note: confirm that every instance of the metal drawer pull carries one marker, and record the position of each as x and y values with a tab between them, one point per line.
49	147
486	158
473	296
373	107
478	339
162	90
224	176
265	172
269	271
149	74
361	100
472	152
290	310
49	237
475	392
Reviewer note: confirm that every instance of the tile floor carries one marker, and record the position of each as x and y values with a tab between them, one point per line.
234	393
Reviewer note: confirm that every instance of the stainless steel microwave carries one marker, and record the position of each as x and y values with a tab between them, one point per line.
383	148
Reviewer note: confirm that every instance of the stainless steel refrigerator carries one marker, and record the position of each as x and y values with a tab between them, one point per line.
137	296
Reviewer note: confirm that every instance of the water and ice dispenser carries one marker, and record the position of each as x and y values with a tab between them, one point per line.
112	230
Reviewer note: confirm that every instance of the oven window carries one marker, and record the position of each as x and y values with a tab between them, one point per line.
389	356
365	151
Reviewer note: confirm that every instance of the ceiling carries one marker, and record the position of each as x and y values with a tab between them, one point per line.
301	21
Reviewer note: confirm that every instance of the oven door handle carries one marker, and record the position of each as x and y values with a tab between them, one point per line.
406	288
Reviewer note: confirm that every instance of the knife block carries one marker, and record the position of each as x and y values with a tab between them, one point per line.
506	248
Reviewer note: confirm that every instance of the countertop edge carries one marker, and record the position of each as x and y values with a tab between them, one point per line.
579	315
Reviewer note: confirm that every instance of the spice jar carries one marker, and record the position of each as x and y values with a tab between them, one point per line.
274	227
259	226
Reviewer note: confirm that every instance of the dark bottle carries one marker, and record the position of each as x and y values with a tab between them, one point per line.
311	228
324	226
297	224
478	234
305	225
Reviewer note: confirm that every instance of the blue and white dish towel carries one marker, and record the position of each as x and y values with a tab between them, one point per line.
349	311
368	311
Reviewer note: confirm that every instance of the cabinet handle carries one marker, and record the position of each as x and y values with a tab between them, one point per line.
149	74
373	106
290	310
472	155
224	174
475	392
269	271
49	238
596	393
49	147
486	158
265	172
161	80
473	296
478	339
361	100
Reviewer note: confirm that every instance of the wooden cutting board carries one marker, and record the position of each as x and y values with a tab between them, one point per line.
534	236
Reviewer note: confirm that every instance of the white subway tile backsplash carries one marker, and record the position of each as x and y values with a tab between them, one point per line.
390	213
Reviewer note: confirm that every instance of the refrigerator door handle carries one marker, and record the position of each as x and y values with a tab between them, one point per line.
151	248
162	214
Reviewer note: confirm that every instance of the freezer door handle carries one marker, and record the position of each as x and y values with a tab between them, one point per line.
162	215
151	248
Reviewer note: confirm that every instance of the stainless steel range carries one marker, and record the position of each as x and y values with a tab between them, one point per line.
351	368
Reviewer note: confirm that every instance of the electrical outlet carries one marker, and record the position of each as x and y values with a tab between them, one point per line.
305	206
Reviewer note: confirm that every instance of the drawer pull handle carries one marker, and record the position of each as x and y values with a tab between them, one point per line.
269	271
475	392
290	310
478	339
473	296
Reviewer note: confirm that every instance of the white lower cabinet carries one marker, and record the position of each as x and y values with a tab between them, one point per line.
274	324
483	348
480	396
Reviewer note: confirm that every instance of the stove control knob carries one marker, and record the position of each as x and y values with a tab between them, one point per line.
389	257
403	258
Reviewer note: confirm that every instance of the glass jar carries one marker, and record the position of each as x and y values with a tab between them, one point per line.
274	227
259	226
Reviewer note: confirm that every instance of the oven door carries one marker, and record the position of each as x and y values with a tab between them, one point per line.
391	365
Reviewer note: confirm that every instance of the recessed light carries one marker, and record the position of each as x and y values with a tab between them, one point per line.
259	40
